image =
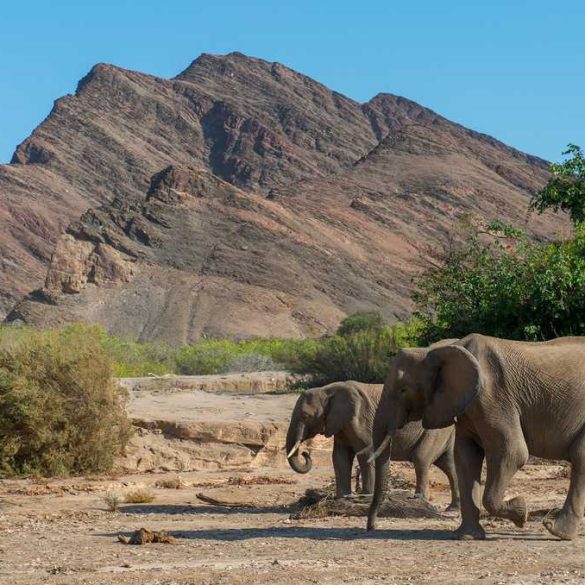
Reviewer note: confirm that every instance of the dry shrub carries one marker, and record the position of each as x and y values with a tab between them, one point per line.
259	480
112	501
171	483
62	411
140	496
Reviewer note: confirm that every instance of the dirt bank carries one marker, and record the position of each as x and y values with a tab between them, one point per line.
194	430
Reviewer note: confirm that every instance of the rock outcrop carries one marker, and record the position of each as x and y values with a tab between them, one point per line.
178	430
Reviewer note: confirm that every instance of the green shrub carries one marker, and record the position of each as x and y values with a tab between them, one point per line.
363	356
251	362
223	356
565	191
206	357
362	321
507	287
132	359
62	412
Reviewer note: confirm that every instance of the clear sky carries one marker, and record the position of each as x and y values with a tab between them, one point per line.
511	68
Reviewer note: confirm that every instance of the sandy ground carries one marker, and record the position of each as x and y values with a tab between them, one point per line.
199	406
60	532
245	383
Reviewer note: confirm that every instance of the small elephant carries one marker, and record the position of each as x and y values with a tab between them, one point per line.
345	411
509	400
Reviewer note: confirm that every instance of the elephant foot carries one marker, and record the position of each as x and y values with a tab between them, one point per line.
453	508
518	511
372	524
418	497
475	532
564	527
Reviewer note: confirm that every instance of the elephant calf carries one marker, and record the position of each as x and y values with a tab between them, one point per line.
345	411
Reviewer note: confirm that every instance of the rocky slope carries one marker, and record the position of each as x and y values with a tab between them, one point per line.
239	198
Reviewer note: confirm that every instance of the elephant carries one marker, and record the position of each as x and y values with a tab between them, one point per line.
345	411
508	400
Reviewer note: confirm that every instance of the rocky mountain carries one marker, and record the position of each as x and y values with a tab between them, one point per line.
240	198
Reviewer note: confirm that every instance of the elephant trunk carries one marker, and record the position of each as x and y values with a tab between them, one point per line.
298	457
381	482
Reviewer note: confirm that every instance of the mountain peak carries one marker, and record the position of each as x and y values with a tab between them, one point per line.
229	201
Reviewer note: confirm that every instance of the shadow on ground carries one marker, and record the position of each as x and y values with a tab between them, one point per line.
331	533
173	509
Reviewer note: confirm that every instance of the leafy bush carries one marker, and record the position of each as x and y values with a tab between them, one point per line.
206	357
132	359
62	412
361	356
223	356
360	353
566	189
507	287
361	321
251	362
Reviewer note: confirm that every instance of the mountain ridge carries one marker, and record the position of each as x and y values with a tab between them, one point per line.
347	194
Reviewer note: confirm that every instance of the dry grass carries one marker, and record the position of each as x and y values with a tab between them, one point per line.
260	480
140	496
112	501
171	483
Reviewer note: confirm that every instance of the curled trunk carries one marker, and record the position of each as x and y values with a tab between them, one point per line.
300	459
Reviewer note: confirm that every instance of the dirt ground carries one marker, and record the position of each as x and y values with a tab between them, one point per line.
60	532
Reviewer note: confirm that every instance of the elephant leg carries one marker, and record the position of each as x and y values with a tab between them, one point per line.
446	463
421	470
503	461
468	461
422	457
342	464
567	523
367	471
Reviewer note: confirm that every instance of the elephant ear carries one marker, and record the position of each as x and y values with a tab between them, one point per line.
454	380
342	406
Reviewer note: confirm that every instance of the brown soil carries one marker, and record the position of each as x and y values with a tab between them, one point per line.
235	523
60	532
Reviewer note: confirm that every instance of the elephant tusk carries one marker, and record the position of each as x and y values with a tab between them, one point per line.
364	450
380	449
294	449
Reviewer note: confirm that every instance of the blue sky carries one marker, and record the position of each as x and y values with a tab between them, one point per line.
514	69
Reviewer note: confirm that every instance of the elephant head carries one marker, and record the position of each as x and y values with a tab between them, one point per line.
434	385
325	410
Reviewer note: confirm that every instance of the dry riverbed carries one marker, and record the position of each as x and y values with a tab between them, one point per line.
229	449
60	532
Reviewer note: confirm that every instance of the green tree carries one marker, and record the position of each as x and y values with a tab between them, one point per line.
565	191
361	321
507	287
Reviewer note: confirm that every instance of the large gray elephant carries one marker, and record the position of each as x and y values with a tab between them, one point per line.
345	411
509	400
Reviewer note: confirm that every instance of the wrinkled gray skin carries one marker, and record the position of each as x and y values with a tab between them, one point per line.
509	399
345	411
